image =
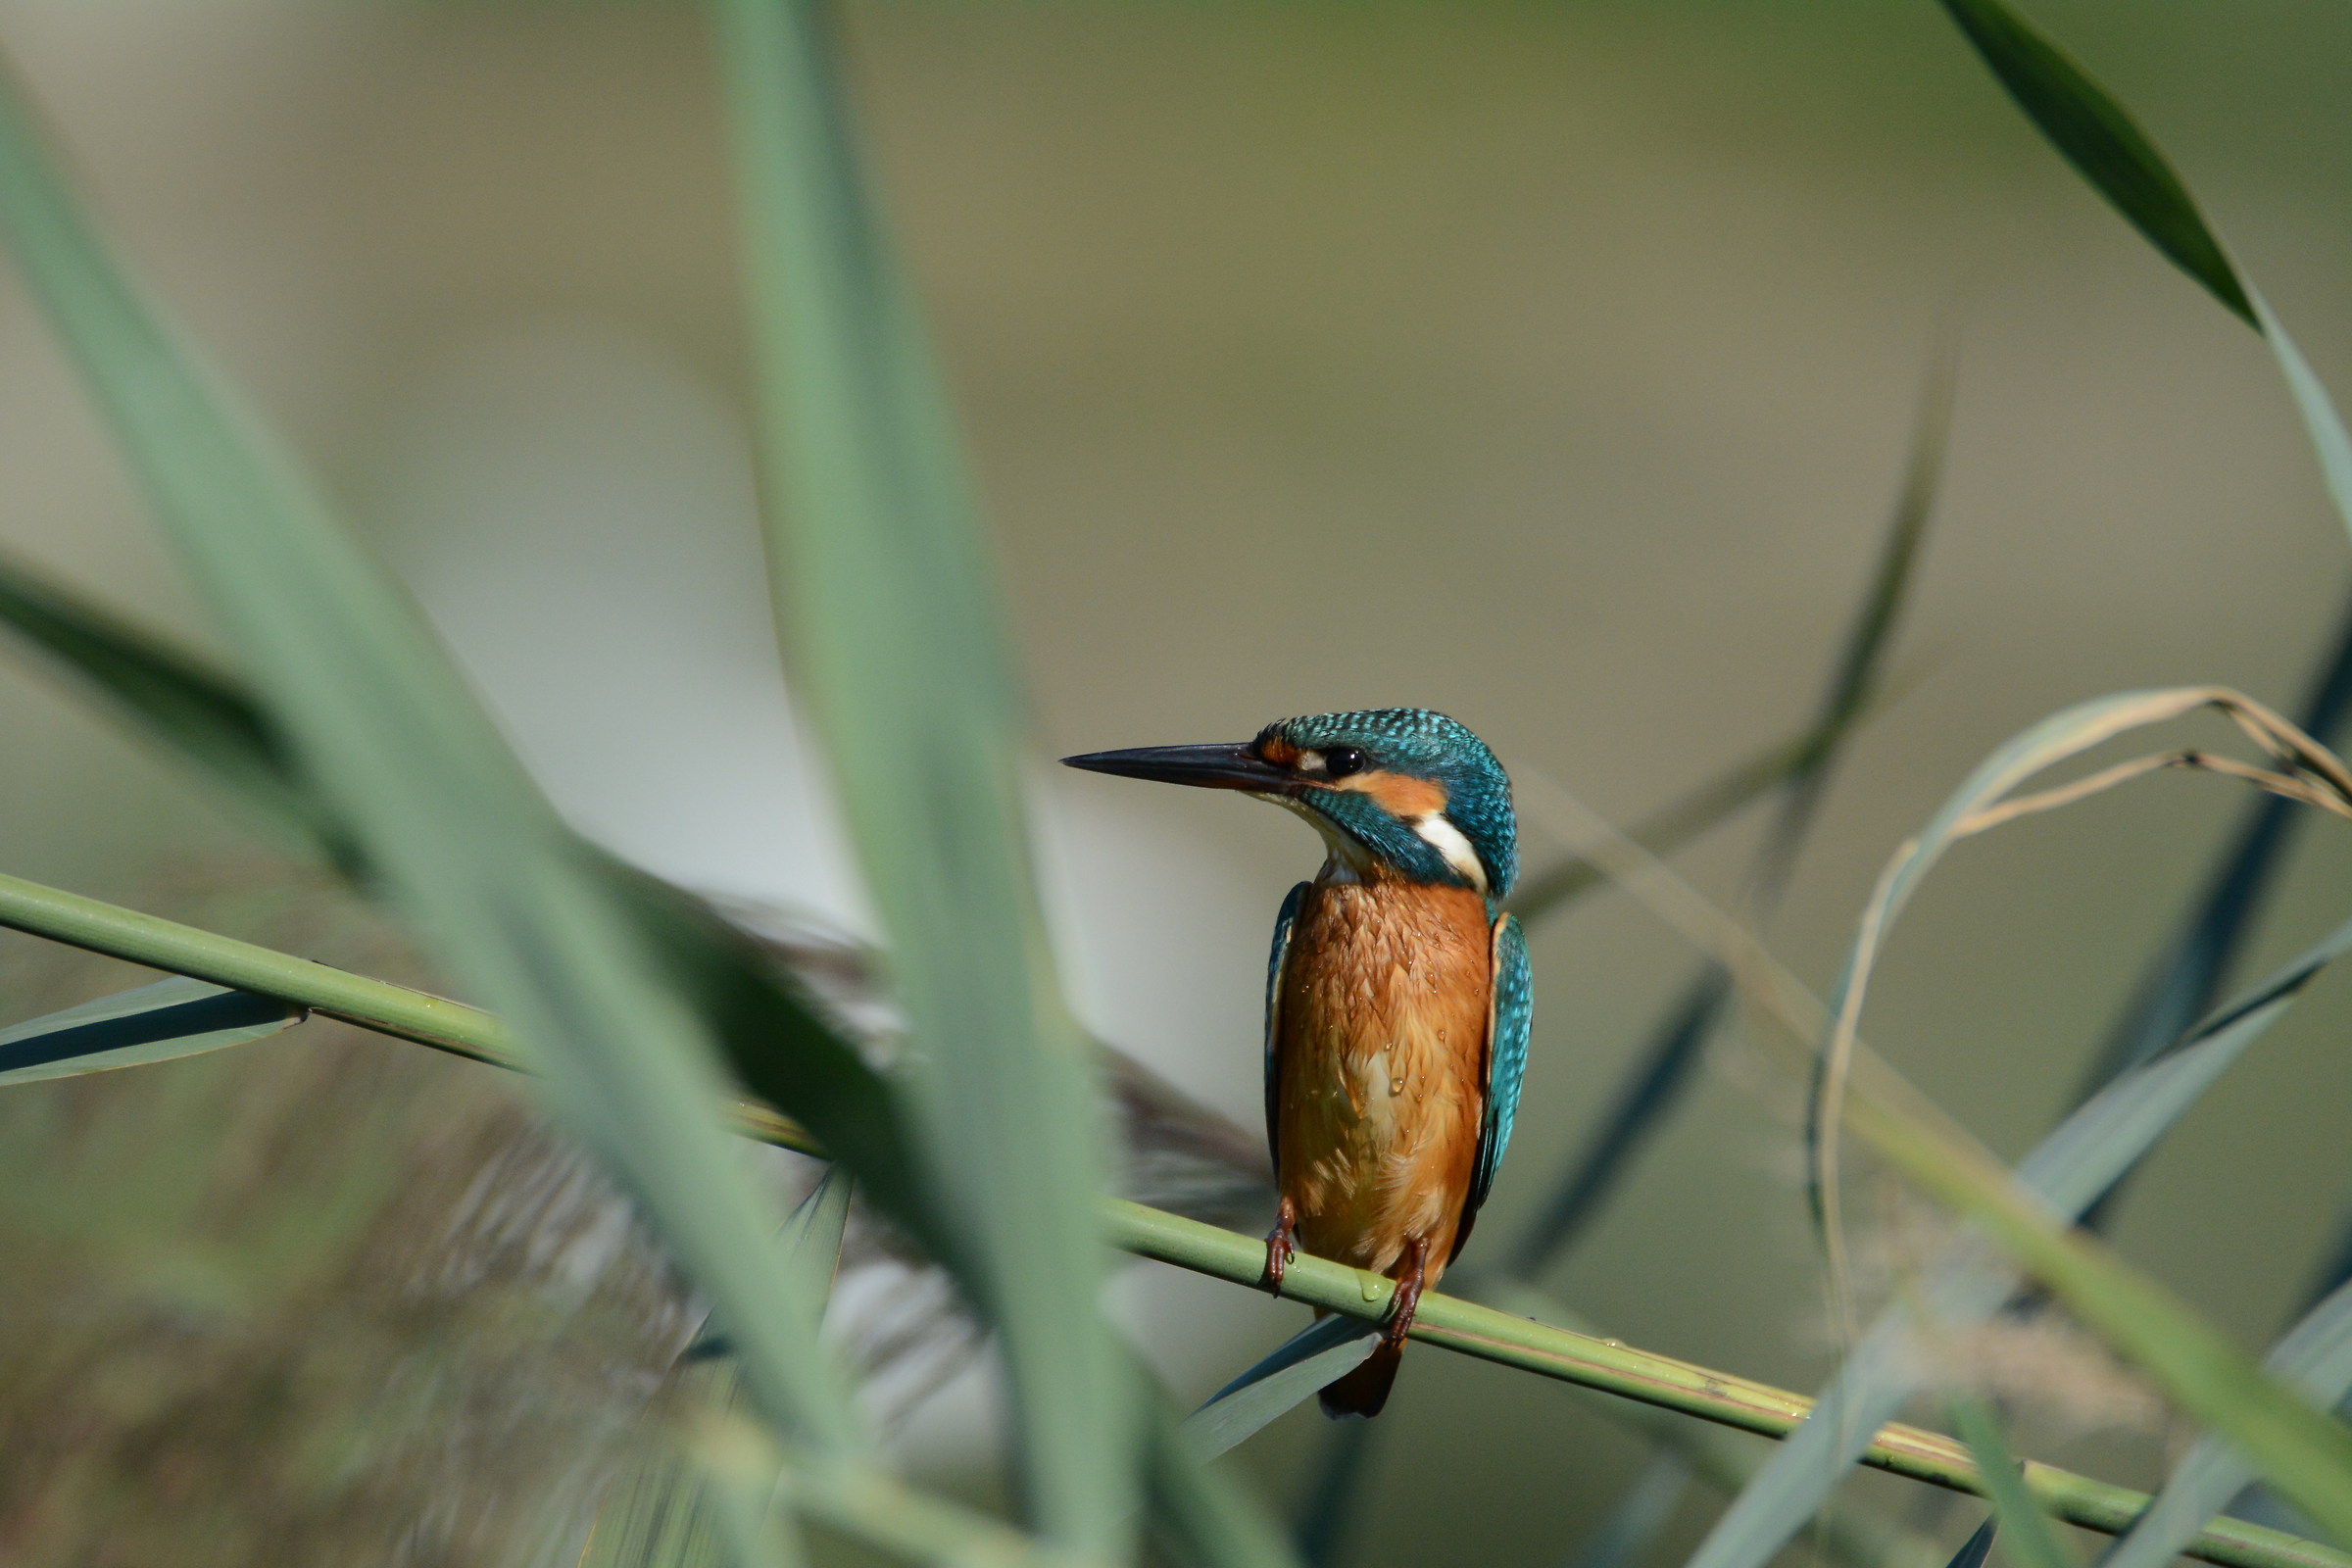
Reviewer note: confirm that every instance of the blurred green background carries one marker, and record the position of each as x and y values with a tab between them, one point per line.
1549	365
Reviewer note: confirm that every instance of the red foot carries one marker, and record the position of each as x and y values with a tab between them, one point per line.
1407	1300
1279	1246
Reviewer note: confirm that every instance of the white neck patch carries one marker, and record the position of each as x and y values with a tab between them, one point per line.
1349	862
1446	838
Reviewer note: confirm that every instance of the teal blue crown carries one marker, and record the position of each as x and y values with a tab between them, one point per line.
1416	743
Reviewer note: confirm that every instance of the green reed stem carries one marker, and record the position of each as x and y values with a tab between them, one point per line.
1618	1368
401	1011
1450	1322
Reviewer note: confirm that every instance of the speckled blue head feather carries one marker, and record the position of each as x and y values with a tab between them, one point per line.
1413	776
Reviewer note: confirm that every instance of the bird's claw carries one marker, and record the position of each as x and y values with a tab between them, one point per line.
1407	1300
1280	1248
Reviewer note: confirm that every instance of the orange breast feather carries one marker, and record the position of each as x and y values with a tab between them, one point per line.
1381	1051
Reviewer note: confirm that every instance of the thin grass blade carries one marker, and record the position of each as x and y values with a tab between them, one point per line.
2186	979
2335	1267
2315	1357
690	1509
2323	424
779	1045
1655	1082
659	1512
374	711
1860	672
2300	1450
1637	1517
712	1495
816	1226
159	1022
1711	805
2093	132
2067	1171
1328	1512
750	1493
1985	799
1201	1515
783	1050
190	706
1725	1460
1285	1377
1521	1336
1977	1546
2034	1540
886	592
1652	1087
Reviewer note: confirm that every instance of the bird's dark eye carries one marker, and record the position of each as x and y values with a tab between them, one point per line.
1342	761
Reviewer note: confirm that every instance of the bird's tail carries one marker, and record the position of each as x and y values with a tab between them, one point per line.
1365	1390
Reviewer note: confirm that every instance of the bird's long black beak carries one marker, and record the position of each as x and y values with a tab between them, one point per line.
1215	768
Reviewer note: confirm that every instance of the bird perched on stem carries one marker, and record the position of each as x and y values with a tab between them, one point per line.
1397	995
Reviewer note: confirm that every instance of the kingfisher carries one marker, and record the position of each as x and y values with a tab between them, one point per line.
1397	995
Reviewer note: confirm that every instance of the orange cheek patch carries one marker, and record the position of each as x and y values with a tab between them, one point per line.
1398	795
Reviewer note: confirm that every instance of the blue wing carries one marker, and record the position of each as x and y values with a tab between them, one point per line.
1282	951
1514	1008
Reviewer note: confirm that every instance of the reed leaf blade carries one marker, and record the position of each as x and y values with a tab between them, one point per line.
2094	133
1654	1084
1513	1337
2185	981
667	1509
2315	1357
1201	1514
1977	1546
817	1225
373	710
1745	783
1986	799
159	1022
1276	1383
781	1048
1640	1516
2032	1541
886	594
186	703
2067	1171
